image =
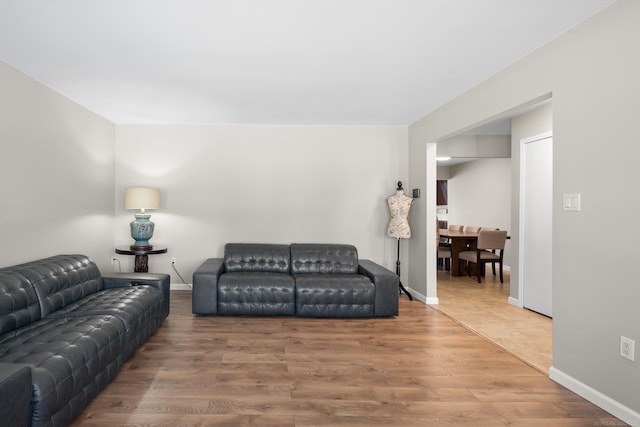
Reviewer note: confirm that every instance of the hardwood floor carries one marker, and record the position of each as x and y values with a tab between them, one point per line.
419	369
483	308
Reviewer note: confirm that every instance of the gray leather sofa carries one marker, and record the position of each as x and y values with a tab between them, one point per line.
311	280
65	331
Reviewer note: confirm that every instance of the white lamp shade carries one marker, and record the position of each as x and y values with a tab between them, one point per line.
141	198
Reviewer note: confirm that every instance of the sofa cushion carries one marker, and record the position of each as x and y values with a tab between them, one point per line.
312	258
15	394
139	307
256	293
256	257
334	295
61	280
18	301
71	360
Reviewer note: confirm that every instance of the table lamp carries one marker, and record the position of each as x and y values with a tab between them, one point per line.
141	198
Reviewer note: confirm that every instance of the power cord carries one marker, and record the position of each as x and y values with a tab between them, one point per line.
114	260
173	265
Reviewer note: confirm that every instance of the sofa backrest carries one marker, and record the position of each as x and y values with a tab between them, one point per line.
61	280
323	258
18	301
256	257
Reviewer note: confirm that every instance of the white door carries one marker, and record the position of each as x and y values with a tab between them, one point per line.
536	223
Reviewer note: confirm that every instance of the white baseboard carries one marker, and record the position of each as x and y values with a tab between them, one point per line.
432	300
415	295
614	407
180	287
514	301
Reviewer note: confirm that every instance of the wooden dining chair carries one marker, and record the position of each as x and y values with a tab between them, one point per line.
445	244
493	264
445	247
444	252
453	227
471	242
488	242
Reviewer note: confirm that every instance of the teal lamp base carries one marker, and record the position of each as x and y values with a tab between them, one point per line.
141	232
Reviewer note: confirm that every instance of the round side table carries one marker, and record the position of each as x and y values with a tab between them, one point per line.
142	257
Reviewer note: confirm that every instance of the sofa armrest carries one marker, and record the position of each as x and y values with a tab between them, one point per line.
204	299
160	281
119	280
387	287
15	394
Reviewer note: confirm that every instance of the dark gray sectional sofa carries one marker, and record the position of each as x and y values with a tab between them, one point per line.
65	331
311	280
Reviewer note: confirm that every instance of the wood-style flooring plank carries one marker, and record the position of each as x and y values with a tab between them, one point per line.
421	368
483	308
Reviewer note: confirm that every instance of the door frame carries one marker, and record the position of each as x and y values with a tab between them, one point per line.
521	224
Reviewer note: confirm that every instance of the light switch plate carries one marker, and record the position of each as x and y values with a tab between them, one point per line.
571	202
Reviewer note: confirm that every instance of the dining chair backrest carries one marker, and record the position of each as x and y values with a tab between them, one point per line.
471	228
455	227
491	239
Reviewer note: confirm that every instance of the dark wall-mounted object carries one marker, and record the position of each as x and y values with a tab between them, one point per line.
442	192
416	193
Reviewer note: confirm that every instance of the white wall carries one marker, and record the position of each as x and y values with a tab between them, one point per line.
592	72
277	184
476	146
56	174
480	194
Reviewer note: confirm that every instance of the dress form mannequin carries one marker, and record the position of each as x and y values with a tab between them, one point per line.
399	205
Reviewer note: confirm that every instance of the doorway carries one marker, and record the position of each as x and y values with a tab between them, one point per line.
536	217
533	119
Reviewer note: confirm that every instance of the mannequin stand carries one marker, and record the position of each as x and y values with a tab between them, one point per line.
402	288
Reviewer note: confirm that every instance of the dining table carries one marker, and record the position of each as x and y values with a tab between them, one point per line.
460	241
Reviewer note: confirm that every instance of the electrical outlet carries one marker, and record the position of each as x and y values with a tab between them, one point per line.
173	260
627	348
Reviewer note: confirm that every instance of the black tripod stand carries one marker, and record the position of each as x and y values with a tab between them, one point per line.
402	288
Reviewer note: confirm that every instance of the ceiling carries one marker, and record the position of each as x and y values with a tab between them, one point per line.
369	62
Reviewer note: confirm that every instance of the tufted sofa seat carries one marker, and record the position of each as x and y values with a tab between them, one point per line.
66	330
256	280
311	280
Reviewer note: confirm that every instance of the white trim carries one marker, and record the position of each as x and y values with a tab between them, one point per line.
431	263
614	407
180	287
432	301
415	295
514	301
529	139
